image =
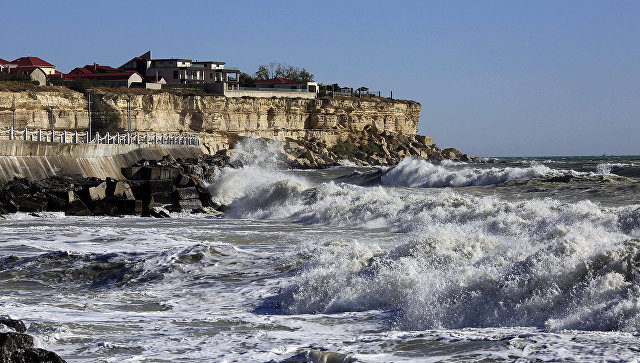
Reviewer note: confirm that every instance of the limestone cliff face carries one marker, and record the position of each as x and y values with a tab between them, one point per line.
171	112
218	119
33	109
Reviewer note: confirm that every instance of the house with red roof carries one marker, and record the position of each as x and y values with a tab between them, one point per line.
5	64
31	62
114	77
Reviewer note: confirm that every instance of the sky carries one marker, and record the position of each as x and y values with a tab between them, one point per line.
495	78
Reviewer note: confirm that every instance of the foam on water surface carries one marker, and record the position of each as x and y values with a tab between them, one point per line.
303	266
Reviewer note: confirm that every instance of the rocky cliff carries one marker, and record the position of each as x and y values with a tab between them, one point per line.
220	120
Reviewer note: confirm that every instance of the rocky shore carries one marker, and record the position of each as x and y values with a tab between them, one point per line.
157	187
151	188
18	347
367	149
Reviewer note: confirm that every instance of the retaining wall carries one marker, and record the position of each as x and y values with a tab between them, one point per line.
39	160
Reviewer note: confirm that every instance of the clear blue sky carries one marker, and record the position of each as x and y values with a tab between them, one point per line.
495	78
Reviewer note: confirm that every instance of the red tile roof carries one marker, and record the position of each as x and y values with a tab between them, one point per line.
100	68
3	62
105	76
277	80
57	74
20	69
32	62
94	68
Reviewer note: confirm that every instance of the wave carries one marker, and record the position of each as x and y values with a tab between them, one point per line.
487	264
418	173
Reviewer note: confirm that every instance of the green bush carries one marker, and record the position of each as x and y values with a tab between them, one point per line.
345	149
105	118
16	78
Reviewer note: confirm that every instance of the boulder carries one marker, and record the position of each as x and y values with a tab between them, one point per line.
18	347
14	324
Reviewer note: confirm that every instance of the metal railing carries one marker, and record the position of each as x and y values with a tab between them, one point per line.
82	137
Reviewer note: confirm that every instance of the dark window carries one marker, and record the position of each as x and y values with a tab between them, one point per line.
175	74
211	75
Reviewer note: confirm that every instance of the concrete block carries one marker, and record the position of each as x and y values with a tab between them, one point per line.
123	190
186	193
98	192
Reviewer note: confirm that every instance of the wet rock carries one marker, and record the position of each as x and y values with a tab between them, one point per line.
18	347
186	193
14	324
159	212
78	208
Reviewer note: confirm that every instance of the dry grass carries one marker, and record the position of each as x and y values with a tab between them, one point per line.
20	87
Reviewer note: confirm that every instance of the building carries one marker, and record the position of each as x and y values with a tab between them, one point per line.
113	77
36	68
283	84
31	62
35	73
181	71
5	65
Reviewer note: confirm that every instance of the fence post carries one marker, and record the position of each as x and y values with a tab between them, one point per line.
64	137
75	137
86	137
39	134
26	132
97	137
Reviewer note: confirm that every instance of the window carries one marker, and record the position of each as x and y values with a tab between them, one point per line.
211	75
175	74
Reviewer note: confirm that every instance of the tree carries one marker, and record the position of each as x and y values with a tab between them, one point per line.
274	69
246	80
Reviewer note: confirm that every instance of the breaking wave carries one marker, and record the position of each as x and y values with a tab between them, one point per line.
459	260
419	173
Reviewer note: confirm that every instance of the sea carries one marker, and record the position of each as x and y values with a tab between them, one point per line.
516	259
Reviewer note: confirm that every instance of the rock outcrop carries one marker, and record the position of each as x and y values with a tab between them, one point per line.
16	346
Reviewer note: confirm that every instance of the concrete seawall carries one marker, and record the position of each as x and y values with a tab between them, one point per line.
39	160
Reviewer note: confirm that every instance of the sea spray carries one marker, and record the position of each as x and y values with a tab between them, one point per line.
418	173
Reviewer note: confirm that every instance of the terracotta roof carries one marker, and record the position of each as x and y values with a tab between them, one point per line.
32	62
56	74
3	62
100	68
94	68
80	70
105	76
20	69
278	80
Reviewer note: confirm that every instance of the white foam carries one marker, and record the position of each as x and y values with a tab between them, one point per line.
418	173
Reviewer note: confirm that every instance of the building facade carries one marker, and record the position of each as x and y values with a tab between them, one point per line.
182	71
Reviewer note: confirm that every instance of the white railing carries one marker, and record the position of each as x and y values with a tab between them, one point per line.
82	137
